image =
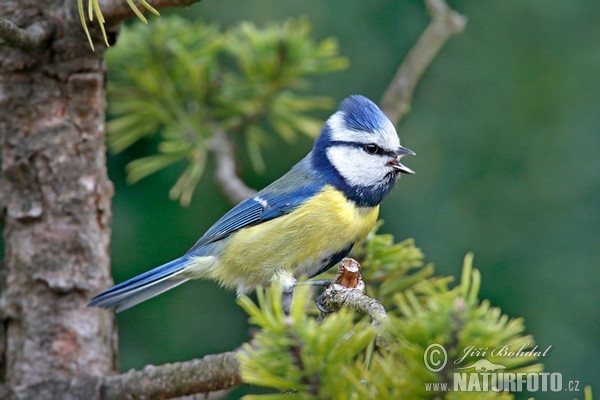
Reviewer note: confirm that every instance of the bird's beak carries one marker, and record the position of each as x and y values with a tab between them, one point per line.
395	163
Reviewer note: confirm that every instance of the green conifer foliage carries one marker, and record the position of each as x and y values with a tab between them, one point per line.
245	82
345	356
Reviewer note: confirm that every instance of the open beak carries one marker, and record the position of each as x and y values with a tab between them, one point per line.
395	162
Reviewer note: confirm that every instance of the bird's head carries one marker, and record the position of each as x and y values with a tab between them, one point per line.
359	151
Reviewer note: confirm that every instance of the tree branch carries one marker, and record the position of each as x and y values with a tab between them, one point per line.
208	374
445	23
32	37
230	184
115	11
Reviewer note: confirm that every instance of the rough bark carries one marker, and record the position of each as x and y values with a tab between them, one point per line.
56	202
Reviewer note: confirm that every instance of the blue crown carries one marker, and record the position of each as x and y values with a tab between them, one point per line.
361	114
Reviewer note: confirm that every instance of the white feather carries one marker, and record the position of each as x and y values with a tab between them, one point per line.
261	201
357	167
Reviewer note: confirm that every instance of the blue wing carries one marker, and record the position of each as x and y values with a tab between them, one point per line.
273	201
264	206
279	198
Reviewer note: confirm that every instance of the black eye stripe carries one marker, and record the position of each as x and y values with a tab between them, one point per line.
380	150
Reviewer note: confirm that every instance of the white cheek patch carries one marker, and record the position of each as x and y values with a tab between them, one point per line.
386	137
357	167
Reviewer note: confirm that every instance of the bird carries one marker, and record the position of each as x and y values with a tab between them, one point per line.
300	225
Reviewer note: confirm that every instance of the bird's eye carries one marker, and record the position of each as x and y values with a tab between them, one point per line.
372	148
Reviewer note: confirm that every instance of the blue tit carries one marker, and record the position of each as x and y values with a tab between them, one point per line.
300	225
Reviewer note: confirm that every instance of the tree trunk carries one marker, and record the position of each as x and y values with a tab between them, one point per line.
56	196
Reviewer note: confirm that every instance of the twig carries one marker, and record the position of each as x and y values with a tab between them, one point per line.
348	290
445	23
34	36
229	182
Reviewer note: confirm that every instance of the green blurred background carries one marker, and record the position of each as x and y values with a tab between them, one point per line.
505	127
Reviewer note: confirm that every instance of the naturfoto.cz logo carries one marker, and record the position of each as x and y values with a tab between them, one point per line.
484	376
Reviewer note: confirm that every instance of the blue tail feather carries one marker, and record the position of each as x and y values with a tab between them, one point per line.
142	287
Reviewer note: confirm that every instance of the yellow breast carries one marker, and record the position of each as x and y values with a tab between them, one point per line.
294	243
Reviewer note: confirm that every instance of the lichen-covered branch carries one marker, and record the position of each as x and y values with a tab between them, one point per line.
348	290
34	36
231	185
445	23
208	374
